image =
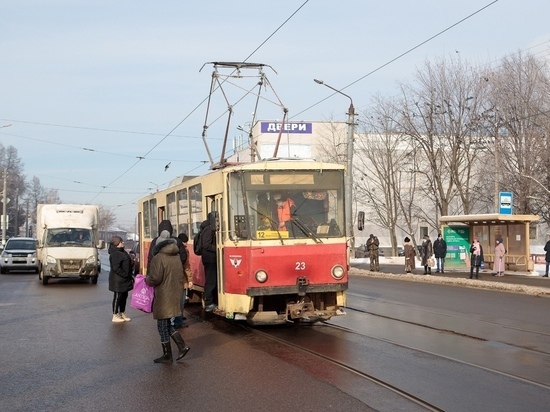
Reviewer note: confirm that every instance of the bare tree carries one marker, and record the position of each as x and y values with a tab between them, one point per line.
106	218
520	97
383	165
441	114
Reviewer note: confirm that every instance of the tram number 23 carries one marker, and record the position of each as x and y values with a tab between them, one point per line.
300	266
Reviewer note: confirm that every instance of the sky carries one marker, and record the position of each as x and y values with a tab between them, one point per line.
98	97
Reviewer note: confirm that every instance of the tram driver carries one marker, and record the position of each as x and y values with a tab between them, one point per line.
286	208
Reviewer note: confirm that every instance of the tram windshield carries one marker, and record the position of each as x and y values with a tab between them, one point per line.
286	204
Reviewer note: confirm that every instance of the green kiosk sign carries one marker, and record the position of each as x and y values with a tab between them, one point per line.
458	246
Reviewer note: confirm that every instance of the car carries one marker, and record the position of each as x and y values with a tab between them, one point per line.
19	253
361	252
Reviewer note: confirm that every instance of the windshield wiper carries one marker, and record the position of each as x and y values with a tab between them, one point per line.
305	230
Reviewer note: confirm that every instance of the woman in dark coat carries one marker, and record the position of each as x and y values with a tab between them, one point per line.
166	274
410	254
427	252
120	278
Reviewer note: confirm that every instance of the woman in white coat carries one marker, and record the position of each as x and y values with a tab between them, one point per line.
500	251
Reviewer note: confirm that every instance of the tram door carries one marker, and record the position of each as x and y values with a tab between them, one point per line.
215	206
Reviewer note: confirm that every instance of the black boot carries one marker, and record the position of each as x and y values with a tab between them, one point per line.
167	354
182	347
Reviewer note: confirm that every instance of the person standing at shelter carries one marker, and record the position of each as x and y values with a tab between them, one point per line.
208	257
373	244
547	249
500	252
476	257
440	251
427	252
166	274
410	255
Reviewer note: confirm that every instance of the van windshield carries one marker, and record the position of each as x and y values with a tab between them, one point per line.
68	237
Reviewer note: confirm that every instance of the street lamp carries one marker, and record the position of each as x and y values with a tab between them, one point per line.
349	177
155	185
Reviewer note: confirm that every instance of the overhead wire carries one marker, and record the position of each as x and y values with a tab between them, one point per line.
197	106
399	56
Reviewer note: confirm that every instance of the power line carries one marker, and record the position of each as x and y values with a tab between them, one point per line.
399	56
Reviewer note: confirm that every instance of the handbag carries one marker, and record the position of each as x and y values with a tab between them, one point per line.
142	295
430	261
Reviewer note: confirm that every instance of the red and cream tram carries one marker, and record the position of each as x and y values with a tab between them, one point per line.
281	245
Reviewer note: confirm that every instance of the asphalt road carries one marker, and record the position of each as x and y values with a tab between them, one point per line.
61	352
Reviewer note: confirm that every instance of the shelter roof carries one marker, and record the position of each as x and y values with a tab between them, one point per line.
493	218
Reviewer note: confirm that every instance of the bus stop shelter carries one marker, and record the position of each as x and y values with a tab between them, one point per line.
459	231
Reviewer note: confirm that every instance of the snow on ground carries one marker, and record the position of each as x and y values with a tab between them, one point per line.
448	278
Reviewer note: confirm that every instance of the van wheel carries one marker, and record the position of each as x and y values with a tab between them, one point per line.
43	277
94	280
3	270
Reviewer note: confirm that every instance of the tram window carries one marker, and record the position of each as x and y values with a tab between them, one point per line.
195	202
315	199
153	214
182	211
146	220
171	210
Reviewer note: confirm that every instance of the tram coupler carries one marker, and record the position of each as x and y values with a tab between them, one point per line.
302	282
300	310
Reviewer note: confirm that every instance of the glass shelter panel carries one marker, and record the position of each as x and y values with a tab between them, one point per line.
286	204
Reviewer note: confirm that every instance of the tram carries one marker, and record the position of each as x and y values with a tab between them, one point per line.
271	268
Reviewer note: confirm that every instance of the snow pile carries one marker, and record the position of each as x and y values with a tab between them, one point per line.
477	283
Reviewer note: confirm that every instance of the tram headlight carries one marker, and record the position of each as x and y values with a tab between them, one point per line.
261	276
338	272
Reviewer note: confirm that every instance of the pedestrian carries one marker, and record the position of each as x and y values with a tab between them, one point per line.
166	274
183	254
500	261
167	225
427	252
440	251
372	245
178	321
410	254
208	258
476	257
121	280
547	249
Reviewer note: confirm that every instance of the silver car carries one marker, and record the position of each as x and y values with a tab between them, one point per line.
19	254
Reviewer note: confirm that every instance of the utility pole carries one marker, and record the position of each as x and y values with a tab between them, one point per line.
4	202
348	199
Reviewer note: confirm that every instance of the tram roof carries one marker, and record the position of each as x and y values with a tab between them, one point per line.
491	218
287	163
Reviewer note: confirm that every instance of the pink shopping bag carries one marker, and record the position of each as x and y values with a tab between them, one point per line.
142	295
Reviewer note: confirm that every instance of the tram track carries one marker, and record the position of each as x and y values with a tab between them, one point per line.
387	385
350	349
270	335
454	332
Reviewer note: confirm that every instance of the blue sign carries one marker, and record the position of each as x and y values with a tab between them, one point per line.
291	127
505	203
